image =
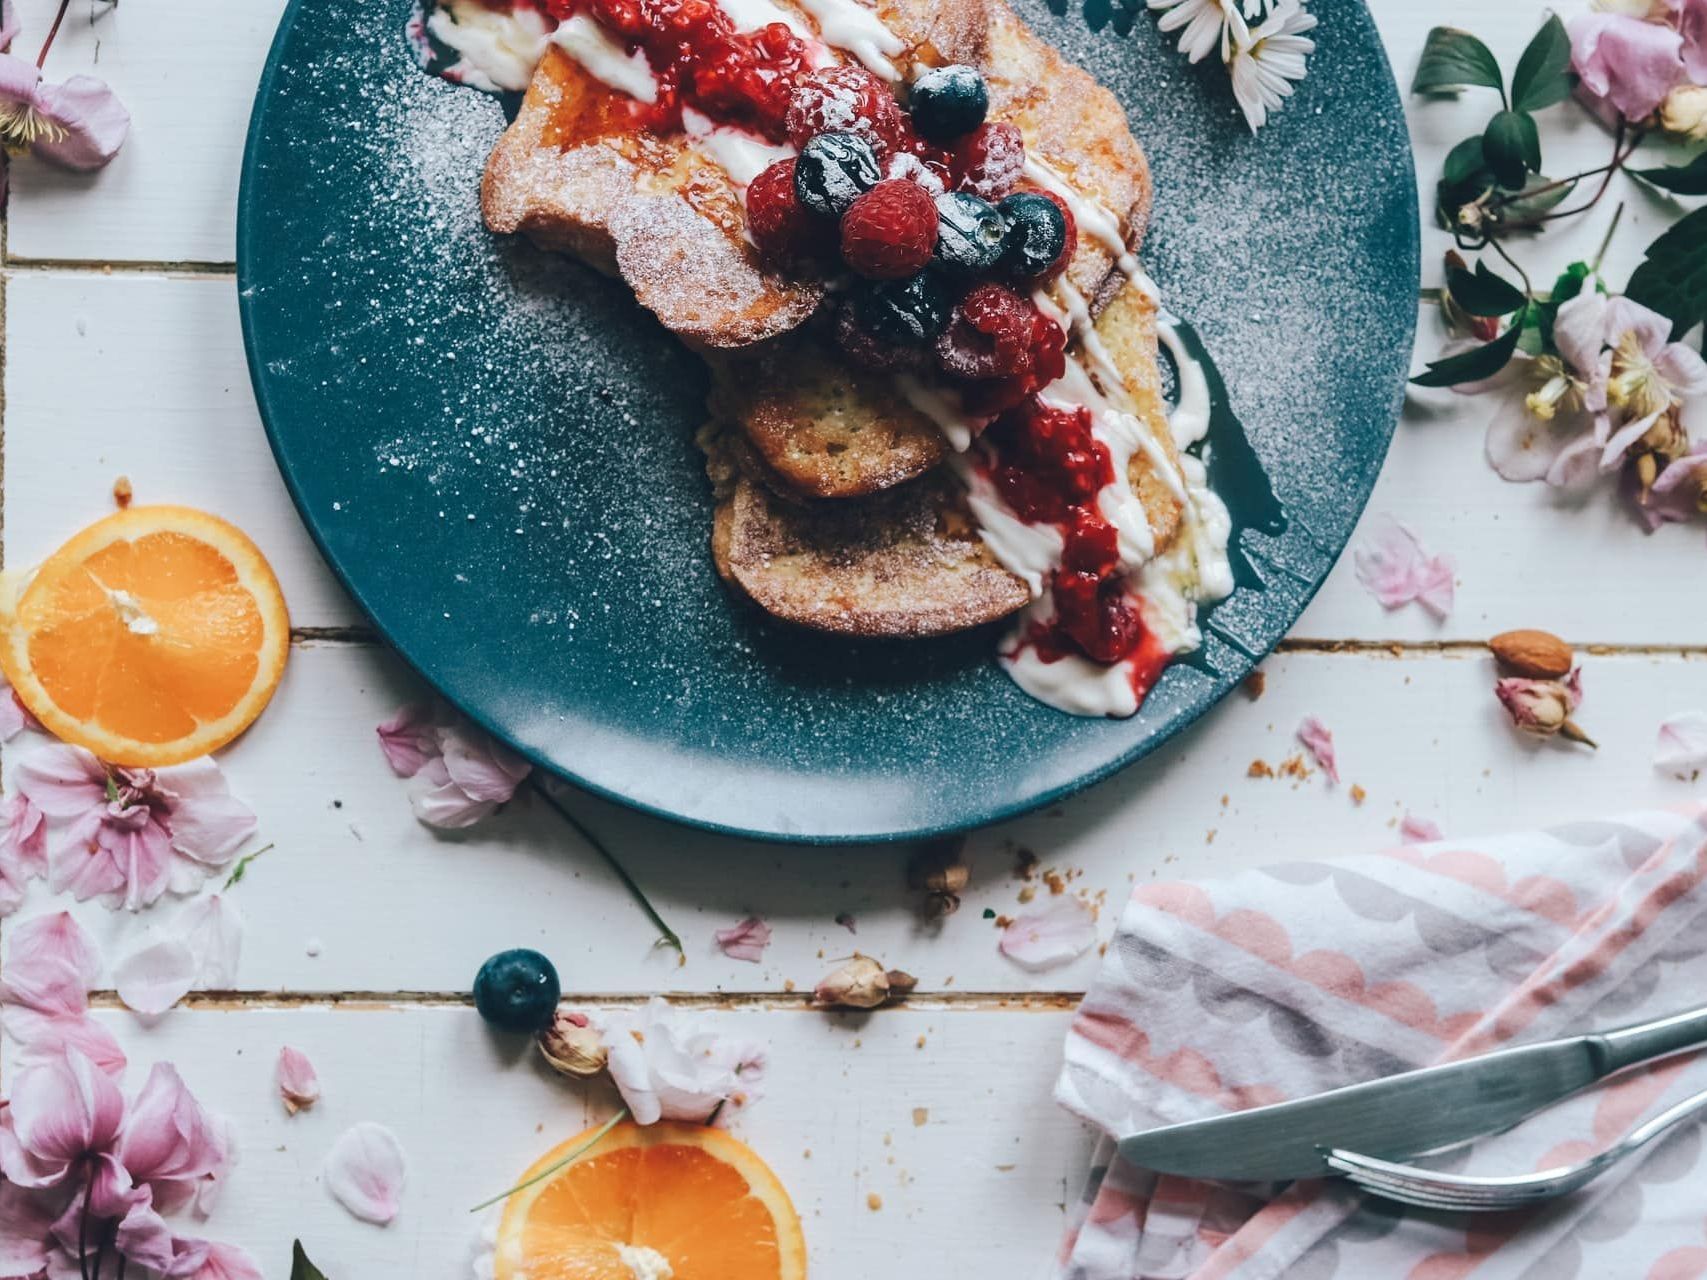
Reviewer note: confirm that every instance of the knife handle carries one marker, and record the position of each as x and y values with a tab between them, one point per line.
1644	1041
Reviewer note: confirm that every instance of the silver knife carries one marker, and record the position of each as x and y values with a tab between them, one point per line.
1410	1114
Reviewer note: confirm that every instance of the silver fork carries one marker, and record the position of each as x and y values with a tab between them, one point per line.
1427	1189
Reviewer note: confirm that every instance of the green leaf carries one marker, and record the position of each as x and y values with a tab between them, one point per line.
1452	60
1681	179
1464	161
1509	143
1484	293
1539	195
1570	283
1673	277
300	1267
1474	365
1543	74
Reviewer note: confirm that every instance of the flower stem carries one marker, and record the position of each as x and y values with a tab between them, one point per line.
1498	248
668	936
242	867
51	33
545	1173
83	1233
1606	241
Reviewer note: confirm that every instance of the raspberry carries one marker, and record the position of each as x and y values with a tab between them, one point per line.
1097	616
889	231
990	335
786	233
1040	358
846	100
989	160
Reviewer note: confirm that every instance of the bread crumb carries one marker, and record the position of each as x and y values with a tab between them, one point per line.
788	985
873	1201
1294	767
1056	881
1259	769
920	1115
1025	864
122	492
921	1043
1027	893
1358	794
1255	684
1209	837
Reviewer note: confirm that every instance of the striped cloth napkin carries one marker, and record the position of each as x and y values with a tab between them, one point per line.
1282	982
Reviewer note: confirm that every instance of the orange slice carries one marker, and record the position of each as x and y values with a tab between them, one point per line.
681	1201
152	637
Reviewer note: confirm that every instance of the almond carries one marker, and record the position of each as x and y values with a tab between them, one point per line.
1540	655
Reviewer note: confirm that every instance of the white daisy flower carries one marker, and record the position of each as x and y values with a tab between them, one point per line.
1269	59
1209	25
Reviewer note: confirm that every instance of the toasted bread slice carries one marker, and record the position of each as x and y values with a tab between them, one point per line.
1127	330
904	563
573	173
823	427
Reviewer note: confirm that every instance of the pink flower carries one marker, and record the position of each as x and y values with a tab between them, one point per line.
1625	62
78	124
14	716
133	834
299	1084
668	1067
365	1172
44	997
1394	568
23	850
1680	491
1318	740
1056	935
1543	427
68	1135
1691	19
461	775
745	941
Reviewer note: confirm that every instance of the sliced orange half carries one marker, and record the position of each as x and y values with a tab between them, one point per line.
152	637
681	1201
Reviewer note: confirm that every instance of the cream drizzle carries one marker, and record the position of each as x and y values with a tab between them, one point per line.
850	26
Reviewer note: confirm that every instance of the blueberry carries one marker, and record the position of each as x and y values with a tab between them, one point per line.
1037	233
970	233
907	313
834	170
948	102
517	990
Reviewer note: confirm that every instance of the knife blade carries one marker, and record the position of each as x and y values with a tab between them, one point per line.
1410	1114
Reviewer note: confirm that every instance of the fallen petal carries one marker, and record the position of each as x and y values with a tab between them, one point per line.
50	965
439	802
1318	740
365	1172
1415	830
1682	747
62	781
212	928
1394	568
1059	933
154	978
408	740
484	769
299	1085
745	941
94	122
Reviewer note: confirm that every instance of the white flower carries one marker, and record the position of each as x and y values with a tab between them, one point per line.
1268	60
1209	24
668	1068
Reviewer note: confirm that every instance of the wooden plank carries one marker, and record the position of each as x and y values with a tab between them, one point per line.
143	376
172	408
358	896
187	72
978	1188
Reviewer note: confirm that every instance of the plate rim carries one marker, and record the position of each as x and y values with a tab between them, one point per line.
981	814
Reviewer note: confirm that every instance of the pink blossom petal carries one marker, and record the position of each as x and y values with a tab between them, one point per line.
144	1238
1415	830
1056	935
299	1084
59	1113
1682	366
45	1037
1318	740
23	850
8	24
121	855
169	1142
1577	465
213	928
1682	746
13	719
1628	62
1691	25
439	802
484	769
745	941
211	1260
1627	317
365	1172
62	781
1579	330
94	121
1394	568
153	978
1523	448
25	1224
207	823
669	1067
50	965
1618	444
408	740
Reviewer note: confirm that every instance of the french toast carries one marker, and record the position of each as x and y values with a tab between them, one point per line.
907	561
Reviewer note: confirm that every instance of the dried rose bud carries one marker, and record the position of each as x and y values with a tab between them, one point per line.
939	870
1544	707
572	1046
861	983
1684	112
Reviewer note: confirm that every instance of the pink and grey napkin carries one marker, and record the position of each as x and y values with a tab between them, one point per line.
1285	981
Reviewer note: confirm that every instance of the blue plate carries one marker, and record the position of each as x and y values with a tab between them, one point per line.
494	448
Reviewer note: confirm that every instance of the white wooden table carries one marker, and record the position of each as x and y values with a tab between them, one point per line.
123	355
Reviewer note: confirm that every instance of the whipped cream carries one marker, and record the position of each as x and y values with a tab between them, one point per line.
496	50
735	151
604	58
